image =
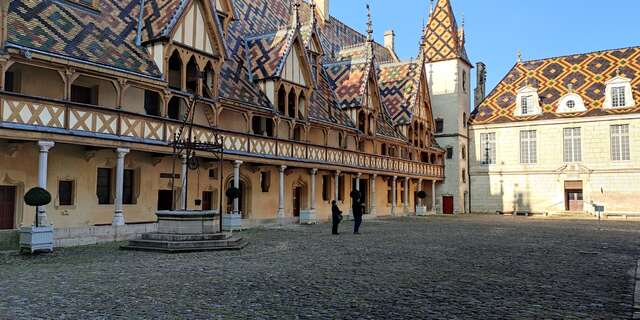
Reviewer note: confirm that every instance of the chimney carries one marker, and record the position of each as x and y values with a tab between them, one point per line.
390	40
481	74
323	10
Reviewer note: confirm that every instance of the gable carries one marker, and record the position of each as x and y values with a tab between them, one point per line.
194	30
295	69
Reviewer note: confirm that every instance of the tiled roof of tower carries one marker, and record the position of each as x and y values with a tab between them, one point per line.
442	39
586	74
399	88
105	36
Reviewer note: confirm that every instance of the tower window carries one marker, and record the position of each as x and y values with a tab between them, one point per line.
439	125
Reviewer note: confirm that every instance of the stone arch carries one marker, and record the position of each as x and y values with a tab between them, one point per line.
245	204
174	68
302	192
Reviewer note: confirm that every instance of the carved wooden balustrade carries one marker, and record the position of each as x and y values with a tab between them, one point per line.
38	114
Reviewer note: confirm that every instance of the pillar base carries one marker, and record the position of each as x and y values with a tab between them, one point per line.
232	222
118	219
308	217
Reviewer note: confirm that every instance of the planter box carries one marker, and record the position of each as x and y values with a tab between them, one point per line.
36	238
308	217
421	211
231	222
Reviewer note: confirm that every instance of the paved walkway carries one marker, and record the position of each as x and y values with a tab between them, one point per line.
472	267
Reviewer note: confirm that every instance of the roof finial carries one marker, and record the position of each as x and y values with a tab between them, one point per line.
570	87
369	24
430	8
295	17
313	14
519	56
618	71
462	35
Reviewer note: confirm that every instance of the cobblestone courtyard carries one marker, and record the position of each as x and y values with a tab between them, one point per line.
482	267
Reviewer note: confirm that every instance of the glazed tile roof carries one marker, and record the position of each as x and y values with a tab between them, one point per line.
399	88
585	73
349	82
105	36
442	39
160	16
267	53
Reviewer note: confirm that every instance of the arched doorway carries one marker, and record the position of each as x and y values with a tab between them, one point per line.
244	200
299	197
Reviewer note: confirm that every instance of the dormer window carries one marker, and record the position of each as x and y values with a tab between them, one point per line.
617	97
527	102
618	93
571	103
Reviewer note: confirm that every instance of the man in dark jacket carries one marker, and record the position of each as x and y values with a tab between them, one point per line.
358	211
336	217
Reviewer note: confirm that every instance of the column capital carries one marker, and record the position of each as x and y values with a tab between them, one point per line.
375	175
338	172
283	168
45	145
395	178
359	174
313	172
237	163
122	152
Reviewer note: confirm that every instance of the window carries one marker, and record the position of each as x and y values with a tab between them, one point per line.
326	188
571	104
464	81
213	174
128	187
449	152
528	147
620	143
572	145
618	97
103	189
65	193
464	119
464	176
488	148
389	190
526	104
439	125
341	188
152	103
463	152
84	95
265	181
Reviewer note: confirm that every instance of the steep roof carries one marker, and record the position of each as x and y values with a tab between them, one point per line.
586	74
399	88
442	38
105	36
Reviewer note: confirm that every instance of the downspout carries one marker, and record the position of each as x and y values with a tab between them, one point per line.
139	34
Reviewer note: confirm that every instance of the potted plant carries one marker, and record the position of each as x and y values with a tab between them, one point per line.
421	210
37	237
232	221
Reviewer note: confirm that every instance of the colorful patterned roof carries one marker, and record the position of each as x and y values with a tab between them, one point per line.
553	77
399	88
160	16
442	40
105	36
267	53
349	82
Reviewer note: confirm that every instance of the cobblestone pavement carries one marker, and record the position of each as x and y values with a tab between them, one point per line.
471	267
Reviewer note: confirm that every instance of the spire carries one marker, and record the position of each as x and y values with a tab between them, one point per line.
519	56
369	24
443	40
295	15
314	21
461	32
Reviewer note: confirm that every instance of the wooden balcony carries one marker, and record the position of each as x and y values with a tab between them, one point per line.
44	115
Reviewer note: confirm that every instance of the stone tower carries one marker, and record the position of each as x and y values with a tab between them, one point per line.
448	69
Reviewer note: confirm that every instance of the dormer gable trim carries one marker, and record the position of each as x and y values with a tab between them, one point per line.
527	102
612	85
295	42
212	26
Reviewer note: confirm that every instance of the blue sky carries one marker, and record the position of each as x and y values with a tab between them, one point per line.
497	29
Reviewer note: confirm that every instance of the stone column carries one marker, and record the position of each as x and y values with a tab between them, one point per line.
336	184
43	161
280	213
312	198
236	184
405	198
183	180
118	217
358	176
372	199
421	203
393	196
433	196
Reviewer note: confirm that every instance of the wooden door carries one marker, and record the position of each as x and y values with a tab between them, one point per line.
207	201
165	200
7	207
575	201
447	205
297	201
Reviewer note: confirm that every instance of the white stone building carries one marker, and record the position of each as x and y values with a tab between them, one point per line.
559	135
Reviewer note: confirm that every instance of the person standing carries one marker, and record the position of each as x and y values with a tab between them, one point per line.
358	211
336	217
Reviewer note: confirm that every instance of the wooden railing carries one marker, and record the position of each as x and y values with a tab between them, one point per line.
39	114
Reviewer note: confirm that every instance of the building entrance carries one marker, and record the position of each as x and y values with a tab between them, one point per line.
7	207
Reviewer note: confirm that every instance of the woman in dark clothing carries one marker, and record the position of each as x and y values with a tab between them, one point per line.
336	216
358	211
